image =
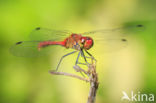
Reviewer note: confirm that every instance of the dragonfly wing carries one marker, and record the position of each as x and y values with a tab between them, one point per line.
112	39
42	34
123	30
111	45
30	49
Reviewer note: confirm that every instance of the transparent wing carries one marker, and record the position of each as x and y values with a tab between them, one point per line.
121	30
113	39
42	34
30	49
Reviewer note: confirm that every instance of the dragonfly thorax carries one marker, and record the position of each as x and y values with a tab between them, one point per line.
77	41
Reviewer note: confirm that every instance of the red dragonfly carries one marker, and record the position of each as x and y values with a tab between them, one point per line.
41	39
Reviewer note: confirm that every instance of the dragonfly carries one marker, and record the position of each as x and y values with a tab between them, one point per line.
43	41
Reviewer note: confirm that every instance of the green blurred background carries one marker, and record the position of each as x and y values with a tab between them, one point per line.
26	80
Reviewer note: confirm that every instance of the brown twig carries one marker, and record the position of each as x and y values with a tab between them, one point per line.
93	84
93	78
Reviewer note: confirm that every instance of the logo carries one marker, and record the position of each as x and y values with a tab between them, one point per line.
139	97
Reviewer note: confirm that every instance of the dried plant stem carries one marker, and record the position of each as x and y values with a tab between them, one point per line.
93	84
93	78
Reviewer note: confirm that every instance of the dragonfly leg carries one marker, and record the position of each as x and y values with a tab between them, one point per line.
63	57
90	55
77	59
82	53
77	62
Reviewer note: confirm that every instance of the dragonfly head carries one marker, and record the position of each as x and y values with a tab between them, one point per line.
87	42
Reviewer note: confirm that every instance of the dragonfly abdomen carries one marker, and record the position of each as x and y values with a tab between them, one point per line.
48	43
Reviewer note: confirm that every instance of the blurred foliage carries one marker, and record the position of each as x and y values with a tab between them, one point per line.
26	80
